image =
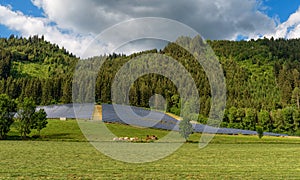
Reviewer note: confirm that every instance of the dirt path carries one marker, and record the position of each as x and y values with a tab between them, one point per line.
97	114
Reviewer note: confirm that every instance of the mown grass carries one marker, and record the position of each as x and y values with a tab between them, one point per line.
63	153
56	130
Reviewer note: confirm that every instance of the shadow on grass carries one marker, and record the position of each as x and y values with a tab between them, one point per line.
47	137
191	142
12	138
61	137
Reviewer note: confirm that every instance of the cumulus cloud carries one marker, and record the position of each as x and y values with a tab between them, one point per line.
74	23
219	19
19	22
289	29
28	26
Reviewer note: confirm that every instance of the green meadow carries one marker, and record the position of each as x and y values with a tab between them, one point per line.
62	152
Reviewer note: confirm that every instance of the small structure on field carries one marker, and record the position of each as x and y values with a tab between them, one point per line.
63	118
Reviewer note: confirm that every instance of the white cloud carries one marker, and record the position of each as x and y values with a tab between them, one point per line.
84	19
28	26
85	16
17	21
219	19
289	29
295	33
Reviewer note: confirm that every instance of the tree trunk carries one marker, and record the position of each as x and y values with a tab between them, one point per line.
23	135
298	103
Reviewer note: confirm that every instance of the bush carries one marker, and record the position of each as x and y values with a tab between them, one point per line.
297	133
260	131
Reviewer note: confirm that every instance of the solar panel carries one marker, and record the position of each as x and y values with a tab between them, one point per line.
135	116
166	122
83	111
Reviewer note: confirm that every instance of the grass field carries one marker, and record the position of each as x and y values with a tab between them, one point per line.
63	153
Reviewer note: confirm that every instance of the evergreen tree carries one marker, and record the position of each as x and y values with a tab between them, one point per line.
7	111
40	120
26	113
185	129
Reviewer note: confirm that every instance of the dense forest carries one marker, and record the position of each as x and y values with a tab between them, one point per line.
33	67
262	78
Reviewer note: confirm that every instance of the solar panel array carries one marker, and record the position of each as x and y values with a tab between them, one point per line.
138	117
134	116
109	114
83	111
57	111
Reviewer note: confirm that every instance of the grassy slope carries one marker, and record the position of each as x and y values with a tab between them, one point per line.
30	69
37	70
68	155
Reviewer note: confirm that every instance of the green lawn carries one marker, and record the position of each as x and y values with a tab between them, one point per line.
63	153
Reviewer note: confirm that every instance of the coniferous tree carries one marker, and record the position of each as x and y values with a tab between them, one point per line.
7	112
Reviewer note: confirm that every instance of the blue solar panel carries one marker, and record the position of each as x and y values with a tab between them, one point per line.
166	122
72	111
135	116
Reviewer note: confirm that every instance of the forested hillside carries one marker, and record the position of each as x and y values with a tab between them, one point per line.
33	67
262	82
262	79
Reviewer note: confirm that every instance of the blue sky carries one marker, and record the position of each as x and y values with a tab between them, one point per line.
74	23
281	8
25	6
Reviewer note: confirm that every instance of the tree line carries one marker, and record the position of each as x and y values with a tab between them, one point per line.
262	79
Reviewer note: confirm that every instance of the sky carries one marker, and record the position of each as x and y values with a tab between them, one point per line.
73	24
